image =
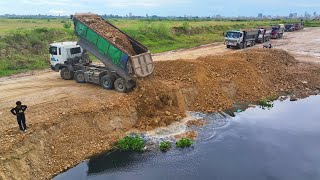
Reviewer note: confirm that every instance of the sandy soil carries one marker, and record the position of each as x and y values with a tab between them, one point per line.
303	45
70	122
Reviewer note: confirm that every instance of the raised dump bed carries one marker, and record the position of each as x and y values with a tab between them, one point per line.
114	48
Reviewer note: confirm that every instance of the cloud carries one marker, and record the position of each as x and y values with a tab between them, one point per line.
47	2
56	12
143	3
136	3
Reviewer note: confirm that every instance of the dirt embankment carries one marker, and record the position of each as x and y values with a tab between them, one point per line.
83	125
107	31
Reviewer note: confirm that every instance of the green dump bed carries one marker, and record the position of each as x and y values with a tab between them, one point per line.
111	54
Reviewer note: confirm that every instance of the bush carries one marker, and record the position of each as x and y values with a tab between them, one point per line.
67	25
165	146
184	142
131	143
27	49
265	103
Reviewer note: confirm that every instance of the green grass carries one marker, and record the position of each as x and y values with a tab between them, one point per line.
165	146
8	25
24	42
131	143
184	143
25	50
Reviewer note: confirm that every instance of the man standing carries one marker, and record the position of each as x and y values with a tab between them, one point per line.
19	112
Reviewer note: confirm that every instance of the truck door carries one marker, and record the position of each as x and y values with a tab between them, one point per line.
59	55
54	55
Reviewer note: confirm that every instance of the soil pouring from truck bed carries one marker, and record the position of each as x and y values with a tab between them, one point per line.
107	31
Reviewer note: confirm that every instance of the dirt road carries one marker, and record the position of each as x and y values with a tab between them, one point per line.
59	110
302	44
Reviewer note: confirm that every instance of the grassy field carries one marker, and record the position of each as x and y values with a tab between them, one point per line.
24	42
8	25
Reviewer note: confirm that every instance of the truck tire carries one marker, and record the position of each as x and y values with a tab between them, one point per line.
120	85
107	82
228	46
240	46
66	74
79	77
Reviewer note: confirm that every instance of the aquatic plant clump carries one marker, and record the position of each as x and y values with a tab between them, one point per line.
184	142
131	143
265	104
165	146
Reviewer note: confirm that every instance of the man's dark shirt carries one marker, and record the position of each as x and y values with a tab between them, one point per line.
19	111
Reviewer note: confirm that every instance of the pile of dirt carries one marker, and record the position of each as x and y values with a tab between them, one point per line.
157	104
107	31
214	83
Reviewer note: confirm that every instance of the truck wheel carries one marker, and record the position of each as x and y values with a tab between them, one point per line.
120	85
66	74
228	46
240	46
107	82
79	77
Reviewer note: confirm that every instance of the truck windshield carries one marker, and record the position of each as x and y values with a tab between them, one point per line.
53	50
233	35
76	50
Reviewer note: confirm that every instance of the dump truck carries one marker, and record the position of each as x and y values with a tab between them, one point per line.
289	27
241	38
264	34
277	31
123	58
299	25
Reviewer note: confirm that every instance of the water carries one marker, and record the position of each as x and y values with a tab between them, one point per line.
277	144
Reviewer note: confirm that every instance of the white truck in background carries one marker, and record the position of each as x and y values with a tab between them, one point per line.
241	38
264	34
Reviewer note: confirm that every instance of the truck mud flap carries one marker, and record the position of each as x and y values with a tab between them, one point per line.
142	64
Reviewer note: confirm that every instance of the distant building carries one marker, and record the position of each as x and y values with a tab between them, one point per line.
294	15
307	15
130	14
260	15
290	15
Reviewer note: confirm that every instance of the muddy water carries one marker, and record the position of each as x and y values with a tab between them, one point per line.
280	143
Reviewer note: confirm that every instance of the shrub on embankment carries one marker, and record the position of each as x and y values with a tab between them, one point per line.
24	50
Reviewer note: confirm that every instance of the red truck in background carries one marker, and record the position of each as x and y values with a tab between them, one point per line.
277	31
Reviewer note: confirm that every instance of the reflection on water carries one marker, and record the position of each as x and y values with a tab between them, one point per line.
277	144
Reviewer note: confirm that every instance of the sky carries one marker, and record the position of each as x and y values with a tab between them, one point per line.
161	7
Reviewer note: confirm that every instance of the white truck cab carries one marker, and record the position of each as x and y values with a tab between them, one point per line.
233	38
60	52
